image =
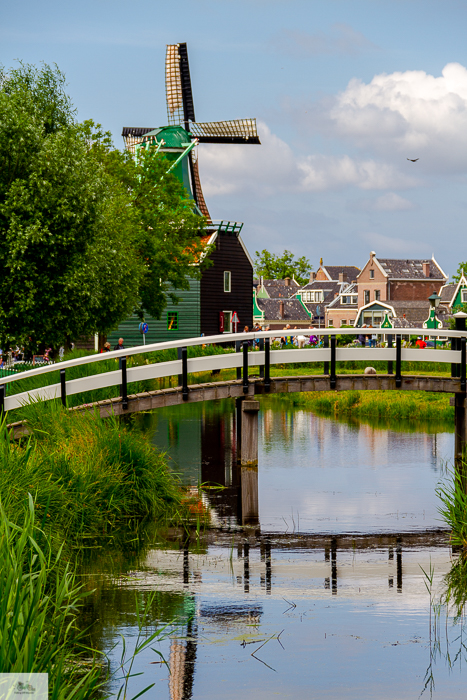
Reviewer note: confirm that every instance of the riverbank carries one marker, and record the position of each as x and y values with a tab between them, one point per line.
417	406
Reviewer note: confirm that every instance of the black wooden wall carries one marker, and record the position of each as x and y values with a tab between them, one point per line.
228	255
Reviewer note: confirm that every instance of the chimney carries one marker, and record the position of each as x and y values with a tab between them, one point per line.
287	281
341	277
426	269
281	309
312	276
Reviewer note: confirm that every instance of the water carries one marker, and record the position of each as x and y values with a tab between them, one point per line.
328	587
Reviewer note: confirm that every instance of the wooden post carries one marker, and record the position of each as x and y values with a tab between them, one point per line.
250	410
249	462
460	442
238	425
460	413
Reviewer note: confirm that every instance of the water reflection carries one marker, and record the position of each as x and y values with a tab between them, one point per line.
315	474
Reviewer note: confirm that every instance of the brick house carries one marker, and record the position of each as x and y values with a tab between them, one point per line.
386	280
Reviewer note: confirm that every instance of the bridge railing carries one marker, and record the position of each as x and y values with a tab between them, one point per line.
242	360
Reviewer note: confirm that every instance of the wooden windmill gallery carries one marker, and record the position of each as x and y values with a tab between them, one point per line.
225	287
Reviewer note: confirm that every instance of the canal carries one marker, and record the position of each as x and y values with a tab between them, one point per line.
327	596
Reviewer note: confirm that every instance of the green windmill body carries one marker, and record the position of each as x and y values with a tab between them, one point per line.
183	132
209	305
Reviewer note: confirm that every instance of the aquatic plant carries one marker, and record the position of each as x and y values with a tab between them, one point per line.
39	601
453	508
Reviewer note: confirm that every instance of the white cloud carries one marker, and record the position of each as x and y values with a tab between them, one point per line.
407	115
272	168
330	172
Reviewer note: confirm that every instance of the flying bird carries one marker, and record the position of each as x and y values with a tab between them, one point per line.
413	160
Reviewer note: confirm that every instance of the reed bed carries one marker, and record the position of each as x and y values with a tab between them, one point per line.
39	603
417	406
87	477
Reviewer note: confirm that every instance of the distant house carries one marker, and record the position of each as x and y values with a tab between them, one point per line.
317	297
387	279
342	311
401	314
276	304
276	289
400	288
335	273
454	294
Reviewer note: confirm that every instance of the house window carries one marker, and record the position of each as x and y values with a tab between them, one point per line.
227	276
345	300
354	300
377	295
343	322
464	296
227	322
372	274
366	295
172	320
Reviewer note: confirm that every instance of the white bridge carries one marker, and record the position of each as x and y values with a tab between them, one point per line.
394	354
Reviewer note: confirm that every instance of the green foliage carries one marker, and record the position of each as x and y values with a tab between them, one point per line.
67	266
397	405
39	599
452	321
88	477
453	508
461	270
86	234
278	267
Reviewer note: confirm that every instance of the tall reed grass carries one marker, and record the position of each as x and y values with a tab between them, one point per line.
39	602
87	477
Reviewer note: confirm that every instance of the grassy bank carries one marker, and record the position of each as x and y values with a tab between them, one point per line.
392	405
87	477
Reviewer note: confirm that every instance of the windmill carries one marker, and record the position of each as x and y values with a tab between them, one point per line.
178	139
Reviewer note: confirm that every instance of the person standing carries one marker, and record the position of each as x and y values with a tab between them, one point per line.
119	345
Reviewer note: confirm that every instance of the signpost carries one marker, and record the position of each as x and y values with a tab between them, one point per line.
143	329
235	321
318	313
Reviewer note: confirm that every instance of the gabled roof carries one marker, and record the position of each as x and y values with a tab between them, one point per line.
350	272
350	290
328	288
277	289
293	310
411	269
449	292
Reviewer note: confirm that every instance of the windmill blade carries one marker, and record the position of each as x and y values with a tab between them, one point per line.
133	135
196	185
180	107
234	131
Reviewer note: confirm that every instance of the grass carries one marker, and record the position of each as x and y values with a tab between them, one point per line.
87	477
39	602
417	406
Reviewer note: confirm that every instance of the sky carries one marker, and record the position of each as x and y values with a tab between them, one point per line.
343	93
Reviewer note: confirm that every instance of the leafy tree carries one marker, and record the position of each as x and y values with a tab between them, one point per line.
86	235
462	269
278	267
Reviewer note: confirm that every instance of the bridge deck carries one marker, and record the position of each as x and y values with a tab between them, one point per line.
211	391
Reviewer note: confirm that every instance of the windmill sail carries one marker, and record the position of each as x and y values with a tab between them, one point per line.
173	86
180	106
234	131
196	184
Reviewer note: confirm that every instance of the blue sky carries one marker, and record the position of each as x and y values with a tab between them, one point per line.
344	92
